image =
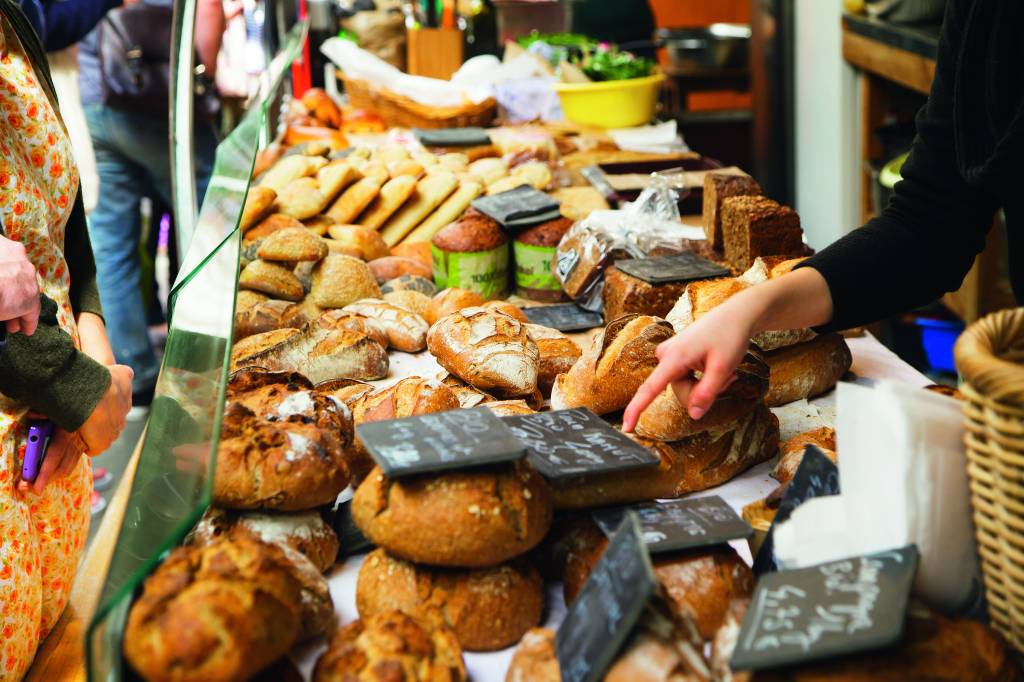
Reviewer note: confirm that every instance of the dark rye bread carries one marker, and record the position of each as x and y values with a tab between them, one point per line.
534	252
472	518
624	294
472	234
487	608
717	188
545	234
757	226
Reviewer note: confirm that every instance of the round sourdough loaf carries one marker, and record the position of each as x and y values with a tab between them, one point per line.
476	517
391	646
413	301
487	608
215	613
449	301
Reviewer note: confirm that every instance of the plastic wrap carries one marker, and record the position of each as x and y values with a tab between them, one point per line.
648	226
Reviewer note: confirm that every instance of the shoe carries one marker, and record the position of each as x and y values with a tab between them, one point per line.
98	503
101	478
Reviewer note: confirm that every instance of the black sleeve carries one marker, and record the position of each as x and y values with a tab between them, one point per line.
925	241
84	294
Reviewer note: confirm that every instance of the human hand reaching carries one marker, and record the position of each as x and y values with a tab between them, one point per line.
19	291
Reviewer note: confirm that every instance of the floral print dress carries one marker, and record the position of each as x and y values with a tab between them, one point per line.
41	536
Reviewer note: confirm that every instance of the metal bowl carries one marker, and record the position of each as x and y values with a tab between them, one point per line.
714	49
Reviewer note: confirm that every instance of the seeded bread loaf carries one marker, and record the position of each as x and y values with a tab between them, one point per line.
717	188
624	294
755	226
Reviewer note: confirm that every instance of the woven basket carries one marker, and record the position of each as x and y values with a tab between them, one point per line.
990	357
398	111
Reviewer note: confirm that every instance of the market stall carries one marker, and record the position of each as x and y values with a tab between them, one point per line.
387	427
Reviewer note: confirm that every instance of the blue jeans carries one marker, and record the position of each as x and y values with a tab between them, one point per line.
133	161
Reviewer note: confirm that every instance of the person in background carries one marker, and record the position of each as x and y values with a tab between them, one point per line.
55	360
63	23
963	166
132	147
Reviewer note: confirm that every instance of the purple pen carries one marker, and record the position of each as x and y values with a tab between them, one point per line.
39	432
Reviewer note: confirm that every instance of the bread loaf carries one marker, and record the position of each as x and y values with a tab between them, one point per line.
391	646
717	188
471	518
413	301
298	315
291	168
807	369
696	463
304	532
269	225
292	244
217	613
535	659
271	279
701	297
339	280
466	394
391	197
451	301
624	294
391	267
341	319
245	299
420	285
486	608
558	353
488	350
358	242
258	202
509	408
666	420
262	317
509	308
791	453
534	253
755	226
406	330
472	254
609	372
407	398
450	210
356	198
428	195
418	251
257	343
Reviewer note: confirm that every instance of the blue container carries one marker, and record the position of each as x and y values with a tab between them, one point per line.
937	338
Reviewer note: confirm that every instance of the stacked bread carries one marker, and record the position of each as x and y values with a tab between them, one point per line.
249	583
737	432
802	364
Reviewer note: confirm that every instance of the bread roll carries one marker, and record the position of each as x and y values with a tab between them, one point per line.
413	301
558	353
358	242
702	461
453	207
322	107
666	420
258	202
612	368
301	199
576	203
791	453
340	319
339	280
271	279
488	350
390	198
451	301
336	176
392	267
421	285
291	168
475	517
509	182
304	532
262	317
391	646
246	299
406	330
293	244
535	659
356	198
486	608
217	613
429	193
271	224
509	408
807	369
418	252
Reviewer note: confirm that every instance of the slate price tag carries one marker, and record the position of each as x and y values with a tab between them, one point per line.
817	476
567	317
566	443
519	207
607	607
838	608
456	439
452	137
679	524
680	267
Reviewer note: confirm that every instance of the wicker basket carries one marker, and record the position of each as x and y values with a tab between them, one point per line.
990	357
398	111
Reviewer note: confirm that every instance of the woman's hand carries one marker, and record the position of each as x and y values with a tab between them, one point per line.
107	420
62	455
19	291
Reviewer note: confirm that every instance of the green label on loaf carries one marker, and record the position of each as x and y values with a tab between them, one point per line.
485	272
533	267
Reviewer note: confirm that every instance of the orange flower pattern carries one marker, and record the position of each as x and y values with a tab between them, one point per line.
41	536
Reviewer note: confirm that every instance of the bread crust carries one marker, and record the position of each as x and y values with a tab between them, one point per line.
449	301
292	245
807	369
791	453
558	353
391	267
406	330
357	241
488	609
609	371
272	279
624	294
339	280
487	349
471	518
261	317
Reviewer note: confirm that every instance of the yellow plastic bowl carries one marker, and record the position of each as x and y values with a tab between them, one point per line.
611	104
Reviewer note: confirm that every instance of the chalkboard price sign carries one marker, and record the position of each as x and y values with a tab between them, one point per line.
679	524
567	317
566	443
607	607
456	439
838	608
817	476
682	267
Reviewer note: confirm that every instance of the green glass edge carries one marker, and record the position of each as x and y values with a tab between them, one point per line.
216	240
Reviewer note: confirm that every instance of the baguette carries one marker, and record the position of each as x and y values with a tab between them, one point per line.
452	208
429	193
391	197
609	372
807	369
